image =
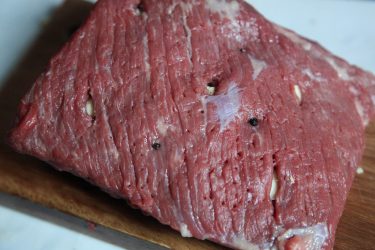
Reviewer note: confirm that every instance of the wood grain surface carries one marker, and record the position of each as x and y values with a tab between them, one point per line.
32	179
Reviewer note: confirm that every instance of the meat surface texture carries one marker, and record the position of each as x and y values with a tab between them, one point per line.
206	116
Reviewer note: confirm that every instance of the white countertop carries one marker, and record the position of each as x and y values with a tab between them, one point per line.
344	27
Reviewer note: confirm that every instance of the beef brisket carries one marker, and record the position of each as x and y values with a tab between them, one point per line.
206	116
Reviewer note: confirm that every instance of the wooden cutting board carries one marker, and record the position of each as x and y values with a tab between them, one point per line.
32	179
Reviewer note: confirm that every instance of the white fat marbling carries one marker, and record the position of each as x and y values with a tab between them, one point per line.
274	186
298	93
291	179
227	105
171	8
258	66
232	30
185	232
211	90
186	9
361	112
294	37
317	236
242	244
90	107
240	30
360	170
358	105
226	9
232	27
315	77
161	126
354	90
341	72
146	57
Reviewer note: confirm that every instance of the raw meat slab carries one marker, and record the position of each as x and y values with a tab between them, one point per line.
336	65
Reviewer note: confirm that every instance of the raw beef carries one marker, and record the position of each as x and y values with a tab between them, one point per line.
206	116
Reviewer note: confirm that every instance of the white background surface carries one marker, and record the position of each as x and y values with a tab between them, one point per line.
344	27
